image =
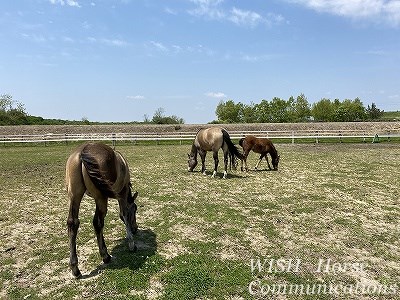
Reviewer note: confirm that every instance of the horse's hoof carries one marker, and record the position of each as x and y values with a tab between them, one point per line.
75	271
132	246
107	259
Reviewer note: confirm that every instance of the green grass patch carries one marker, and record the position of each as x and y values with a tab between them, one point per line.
198	234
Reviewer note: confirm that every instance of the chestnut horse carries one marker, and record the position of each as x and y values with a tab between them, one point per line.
212	139
101	173
262	146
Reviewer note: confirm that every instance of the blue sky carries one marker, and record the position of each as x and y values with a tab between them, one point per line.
118	60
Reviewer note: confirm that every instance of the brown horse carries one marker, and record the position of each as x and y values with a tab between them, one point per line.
212	139
102	173
262	146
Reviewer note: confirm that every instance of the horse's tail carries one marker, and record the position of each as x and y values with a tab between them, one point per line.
93	170
241	142
232	148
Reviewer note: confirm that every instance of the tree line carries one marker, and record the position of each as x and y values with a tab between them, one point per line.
296	110
276	110
13	113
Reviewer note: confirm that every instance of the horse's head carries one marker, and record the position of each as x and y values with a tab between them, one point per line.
275	162
128	216
192	162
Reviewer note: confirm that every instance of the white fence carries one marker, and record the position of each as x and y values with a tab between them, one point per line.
182	136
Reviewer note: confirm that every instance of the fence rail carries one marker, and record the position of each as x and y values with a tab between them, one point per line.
182	136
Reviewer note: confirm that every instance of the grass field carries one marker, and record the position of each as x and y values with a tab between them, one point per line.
329	218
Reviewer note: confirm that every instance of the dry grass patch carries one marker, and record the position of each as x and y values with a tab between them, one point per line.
199	234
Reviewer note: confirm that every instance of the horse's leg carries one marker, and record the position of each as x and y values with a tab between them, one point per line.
73	225
203	161
98	224
216	160
245	154
266	158
259	161
226	153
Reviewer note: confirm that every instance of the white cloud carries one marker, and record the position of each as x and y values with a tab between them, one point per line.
207	8
109	42
383	11
137	97
65	2
217	95
213	10
245	17
170	11
159	46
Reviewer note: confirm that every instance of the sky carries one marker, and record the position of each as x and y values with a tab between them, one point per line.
121	60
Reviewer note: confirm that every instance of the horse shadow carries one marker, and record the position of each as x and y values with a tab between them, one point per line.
219	174
261	170
146	243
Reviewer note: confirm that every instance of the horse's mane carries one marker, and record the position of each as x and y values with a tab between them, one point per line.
274	151
96	176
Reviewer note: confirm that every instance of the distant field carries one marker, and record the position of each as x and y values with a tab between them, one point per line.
391	116
333	206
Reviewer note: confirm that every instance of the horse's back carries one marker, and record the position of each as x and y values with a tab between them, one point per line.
91	164
104	157
258	145
210	139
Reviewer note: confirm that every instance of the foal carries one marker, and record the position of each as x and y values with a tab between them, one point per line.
262	146
101	173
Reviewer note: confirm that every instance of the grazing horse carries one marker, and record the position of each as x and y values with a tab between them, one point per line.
212	139
262	146
101	173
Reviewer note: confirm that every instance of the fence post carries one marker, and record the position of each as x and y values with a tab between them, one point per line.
340	137
316	138
292	137
375	139
388	137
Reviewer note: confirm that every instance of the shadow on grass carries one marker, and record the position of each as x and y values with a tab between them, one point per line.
219	174
146	243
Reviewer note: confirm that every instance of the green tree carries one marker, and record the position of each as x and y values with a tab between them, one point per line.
158	115
6	102
323	110
160	118
281	110
302	110
247	113
12	112
262	112
373	112
228	112
350	110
